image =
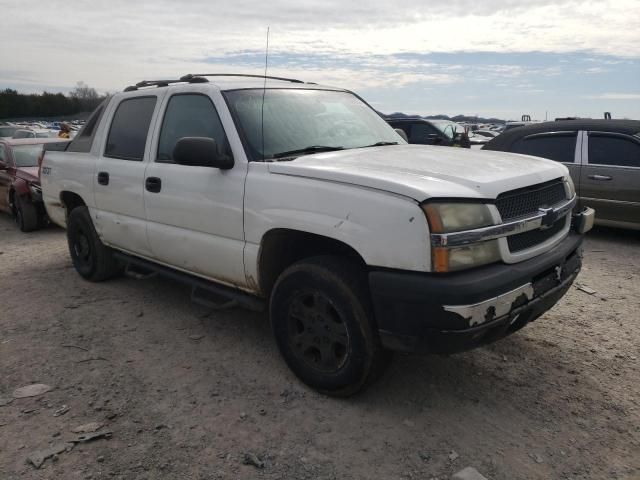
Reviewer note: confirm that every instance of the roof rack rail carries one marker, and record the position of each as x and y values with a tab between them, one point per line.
200	78
189	76
165	83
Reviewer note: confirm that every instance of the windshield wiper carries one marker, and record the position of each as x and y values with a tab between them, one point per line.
381	144
305	150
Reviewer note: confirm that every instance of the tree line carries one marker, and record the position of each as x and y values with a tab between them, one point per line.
19	105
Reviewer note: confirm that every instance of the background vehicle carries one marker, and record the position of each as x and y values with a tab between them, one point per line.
300	199
603	157
20	192
7	131
487	133
421	131
435	132
34	133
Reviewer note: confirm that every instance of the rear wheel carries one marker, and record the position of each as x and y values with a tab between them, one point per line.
323	325
91	258
26	215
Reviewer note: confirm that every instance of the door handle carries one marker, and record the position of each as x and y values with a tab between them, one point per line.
103	178
153	184
600	177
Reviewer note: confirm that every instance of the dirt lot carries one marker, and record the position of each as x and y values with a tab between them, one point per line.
187	392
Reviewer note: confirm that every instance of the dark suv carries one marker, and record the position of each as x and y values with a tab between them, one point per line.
603	157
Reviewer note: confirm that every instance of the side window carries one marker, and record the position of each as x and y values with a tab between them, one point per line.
560	148
129	128
422	133
613	150
189	115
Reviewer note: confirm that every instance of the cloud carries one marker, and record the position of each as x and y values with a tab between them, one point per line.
614	96
112	43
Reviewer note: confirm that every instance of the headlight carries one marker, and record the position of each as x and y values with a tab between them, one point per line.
456	217
571	187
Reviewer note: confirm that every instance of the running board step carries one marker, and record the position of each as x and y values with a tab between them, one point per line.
137	272
204	292
212	300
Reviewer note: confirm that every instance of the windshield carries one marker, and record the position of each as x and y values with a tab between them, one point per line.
26	155
305	121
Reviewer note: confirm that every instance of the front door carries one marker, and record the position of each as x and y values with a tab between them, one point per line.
195	214
561	146
610	178
119	216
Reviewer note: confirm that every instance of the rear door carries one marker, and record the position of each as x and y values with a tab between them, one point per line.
195	213
610	178
119	176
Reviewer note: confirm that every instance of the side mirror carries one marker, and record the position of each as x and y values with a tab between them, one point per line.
201	152
402	133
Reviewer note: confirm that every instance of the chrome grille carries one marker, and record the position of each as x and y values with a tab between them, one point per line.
526	201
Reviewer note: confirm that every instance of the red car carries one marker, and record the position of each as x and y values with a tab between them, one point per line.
20	192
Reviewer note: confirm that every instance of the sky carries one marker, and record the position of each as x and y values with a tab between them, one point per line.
500	58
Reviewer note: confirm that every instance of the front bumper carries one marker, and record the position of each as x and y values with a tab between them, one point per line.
446	313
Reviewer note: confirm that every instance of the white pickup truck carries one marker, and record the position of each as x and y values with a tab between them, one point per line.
279	194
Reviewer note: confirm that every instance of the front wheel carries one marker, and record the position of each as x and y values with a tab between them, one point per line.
322	321
91	258
26	215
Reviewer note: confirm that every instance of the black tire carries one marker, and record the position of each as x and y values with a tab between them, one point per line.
322	320
26	215
91	258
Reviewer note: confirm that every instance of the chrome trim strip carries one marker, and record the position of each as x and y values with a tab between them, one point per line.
492	308
513	227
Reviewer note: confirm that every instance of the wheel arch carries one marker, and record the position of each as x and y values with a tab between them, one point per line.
70	201
282	247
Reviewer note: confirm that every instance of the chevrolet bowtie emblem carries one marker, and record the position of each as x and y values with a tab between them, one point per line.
548	219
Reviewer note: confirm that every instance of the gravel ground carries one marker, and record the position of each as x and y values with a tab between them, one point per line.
193	394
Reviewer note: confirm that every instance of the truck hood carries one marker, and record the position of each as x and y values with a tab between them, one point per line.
421	172
29	174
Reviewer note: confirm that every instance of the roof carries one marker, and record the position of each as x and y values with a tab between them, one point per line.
32	141
505	139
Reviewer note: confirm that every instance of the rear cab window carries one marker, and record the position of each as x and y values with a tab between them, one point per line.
83	141
129	128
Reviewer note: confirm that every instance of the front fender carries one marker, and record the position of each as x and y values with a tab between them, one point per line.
386	230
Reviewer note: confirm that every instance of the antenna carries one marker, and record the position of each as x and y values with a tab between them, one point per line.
264	89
